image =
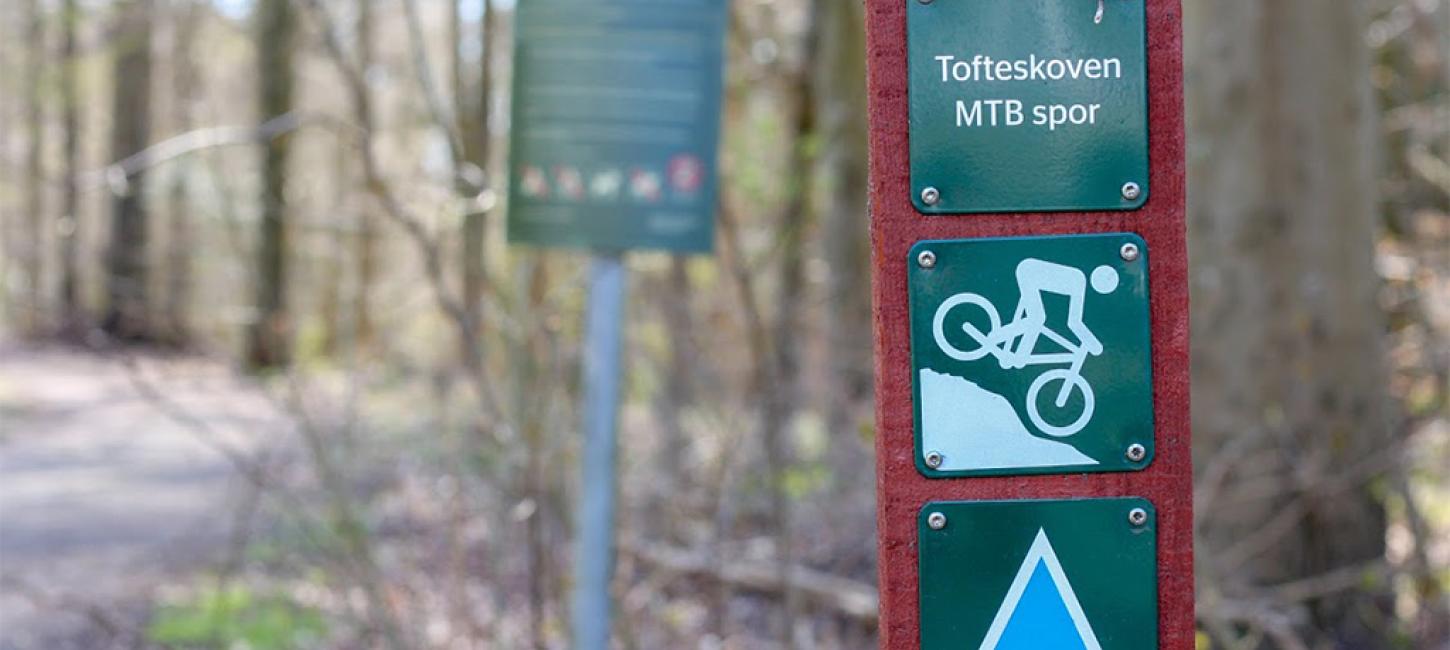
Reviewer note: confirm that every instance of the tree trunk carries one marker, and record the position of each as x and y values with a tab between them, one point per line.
1288	396
180	242
34	259
127	313
70	218
782	391
841	106
473	112
367	226
270	332
665	514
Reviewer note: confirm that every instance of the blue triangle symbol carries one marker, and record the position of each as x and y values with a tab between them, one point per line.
1040	610
1041	619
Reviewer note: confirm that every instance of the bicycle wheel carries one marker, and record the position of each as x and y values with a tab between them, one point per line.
939	321
1074	381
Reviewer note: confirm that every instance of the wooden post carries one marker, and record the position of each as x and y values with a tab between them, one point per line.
897	225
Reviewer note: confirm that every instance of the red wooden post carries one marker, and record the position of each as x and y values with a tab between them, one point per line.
896	225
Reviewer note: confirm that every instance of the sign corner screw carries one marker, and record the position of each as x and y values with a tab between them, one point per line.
1137	452
1131	191
930	196
933	459
926	260
1129	252
938	521
1137	516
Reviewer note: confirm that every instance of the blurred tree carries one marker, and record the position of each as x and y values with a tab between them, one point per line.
127	315
267	341
471	108
367	219
781	385
841	109
34	259
1288	400
69	230
185	16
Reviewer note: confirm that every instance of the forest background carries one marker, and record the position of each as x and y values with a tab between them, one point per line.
270	374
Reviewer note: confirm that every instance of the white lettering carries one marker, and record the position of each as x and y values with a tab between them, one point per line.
945	59
1033	68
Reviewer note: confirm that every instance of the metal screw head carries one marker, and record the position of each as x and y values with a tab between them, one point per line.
933	459
1131	191
937	521
1136	452
1137	516
930	196
925	2
926	259
1129	252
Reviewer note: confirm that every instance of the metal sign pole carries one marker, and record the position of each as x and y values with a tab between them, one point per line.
594	553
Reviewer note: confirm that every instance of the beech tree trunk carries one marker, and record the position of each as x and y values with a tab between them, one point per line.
472	108
127	312
180	240
1288	401
34	260
268	343
841	109
367	218
70	221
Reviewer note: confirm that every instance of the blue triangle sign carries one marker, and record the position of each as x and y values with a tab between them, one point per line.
1040	609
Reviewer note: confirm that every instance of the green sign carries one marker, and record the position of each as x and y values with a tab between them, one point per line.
1031	355
1027	105
1028	575
616	119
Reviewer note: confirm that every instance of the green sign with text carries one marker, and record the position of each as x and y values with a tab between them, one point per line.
1027	105
1027	575
616	120
1031	355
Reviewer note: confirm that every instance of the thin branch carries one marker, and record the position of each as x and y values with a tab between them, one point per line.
430	249
117	175
423	70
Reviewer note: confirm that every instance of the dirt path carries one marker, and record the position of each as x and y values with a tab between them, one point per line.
104	496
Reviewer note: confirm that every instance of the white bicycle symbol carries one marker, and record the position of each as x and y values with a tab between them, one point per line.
1014	344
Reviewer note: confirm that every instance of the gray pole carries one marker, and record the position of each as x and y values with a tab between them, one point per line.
594	553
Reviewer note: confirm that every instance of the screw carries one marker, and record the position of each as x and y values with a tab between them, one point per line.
1131	191
930	196
1137	516
1137	452
926	259
938	521
1129	252
925	2
933	459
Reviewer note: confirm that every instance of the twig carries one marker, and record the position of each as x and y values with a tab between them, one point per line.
855	600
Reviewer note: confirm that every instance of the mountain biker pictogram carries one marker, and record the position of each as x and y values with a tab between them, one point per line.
1015	345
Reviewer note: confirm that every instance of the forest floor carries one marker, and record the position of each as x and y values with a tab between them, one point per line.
106	496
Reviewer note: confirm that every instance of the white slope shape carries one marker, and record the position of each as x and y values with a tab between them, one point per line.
1048	626
976	429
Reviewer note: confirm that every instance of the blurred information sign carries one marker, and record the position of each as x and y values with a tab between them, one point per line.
1028	105
615	124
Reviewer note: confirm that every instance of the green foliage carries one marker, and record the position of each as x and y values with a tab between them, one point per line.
237	618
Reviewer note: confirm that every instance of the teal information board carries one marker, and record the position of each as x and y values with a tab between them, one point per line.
615	123
1027	105
1031	355
1030	575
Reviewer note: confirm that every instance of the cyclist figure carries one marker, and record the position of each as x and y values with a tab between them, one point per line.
1036	277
